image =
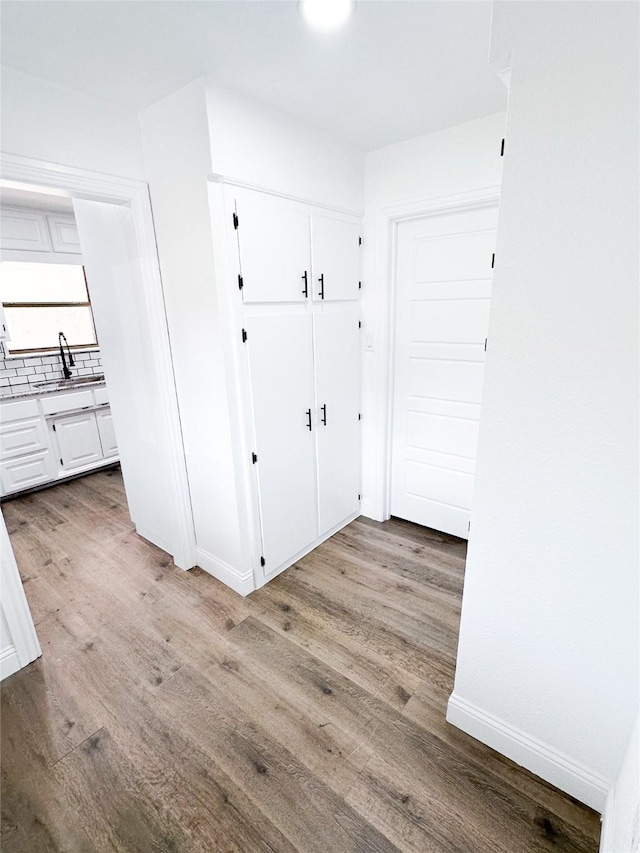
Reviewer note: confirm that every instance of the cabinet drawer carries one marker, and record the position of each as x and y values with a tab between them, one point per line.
18	410
17	439
27	471
67	402
101	396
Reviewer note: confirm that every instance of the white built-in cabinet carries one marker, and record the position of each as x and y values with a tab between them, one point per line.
25	230
298	287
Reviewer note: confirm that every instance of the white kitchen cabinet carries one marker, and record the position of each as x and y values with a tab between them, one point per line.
78	440
25	472
335	258
4	329
21	437
23	229
275	254
64	233
337	376
281	363
104	419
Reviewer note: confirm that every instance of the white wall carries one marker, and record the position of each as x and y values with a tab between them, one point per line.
621	819
175	139
59	125
548	654
447	163
254	143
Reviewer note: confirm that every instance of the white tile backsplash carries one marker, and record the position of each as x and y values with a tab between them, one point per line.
22	373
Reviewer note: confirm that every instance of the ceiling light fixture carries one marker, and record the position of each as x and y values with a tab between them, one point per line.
326	14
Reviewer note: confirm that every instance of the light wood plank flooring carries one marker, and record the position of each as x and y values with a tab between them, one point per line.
169	714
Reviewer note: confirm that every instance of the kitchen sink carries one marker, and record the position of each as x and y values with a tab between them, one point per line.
73	382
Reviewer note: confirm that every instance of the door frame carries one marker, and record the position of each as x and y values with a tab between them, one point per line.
94	186
386	237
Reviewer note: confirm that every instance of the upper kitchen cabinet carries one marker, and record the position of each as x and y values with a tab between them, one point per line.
273	241
64	233
335	253
24	230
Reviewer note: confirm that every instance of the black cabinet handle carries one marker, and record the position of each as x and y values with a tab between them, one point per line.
321	280
309	419
305	289
324	414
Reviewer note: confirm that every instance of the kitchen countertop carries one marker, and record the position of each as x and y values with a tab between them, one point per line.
52	389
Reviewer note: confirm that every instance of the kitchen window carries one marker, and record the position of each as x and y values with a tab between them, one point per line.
41	300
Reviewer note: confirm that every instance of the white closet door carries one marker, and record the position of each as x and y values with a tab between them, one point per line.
444	273
273	239
281	369
337	362
335	259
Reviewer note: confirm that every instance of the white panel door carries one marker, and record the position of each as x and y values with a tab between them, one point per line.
104	419
335	259
273	239
337	363
281	370
444	272
78	440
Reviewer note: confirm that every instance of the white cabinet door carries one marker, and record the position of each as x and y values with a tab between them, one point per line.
24	229
64	233
273	240
337	365
20	437
335	258
443	296
4	329
25	472
104	419
281	369
78	440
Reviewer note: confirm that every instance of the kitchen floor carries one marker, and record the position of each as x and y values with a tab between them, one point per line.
169	714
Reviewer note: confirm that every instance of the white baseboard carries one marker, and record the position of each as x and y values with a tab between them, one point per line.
369	510
9	662
242	584
551	765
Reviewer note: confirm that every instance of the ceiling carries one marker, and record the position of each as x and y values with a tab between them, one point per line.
400	68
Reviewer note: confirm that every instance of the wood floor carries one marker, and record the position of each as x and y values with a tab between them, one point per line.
169	714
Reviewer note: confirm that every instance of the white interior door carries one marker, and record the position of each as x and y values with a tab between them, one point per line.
444	273
281	369
335	258
128	344
78	440
337	365
273	239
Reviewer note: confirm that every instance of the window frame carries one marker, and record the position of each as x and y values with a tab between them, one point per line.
20	353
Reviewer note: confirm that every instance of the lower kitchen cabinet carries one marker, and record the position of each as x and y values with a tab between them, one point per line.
78	440
108	441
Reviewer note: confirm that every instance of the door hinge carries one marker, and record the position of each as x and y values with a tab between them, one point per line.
359	498
493	260
254	458
502	148
359	285
359	416
263	562
485	344
240	282
244	336
359	324
359	241
236	221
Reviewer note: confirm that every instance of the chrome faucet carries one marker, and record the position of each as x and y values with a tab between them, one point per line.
65	368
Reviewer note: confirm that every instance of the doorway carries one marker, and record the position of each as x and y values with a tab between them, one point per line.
443	277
